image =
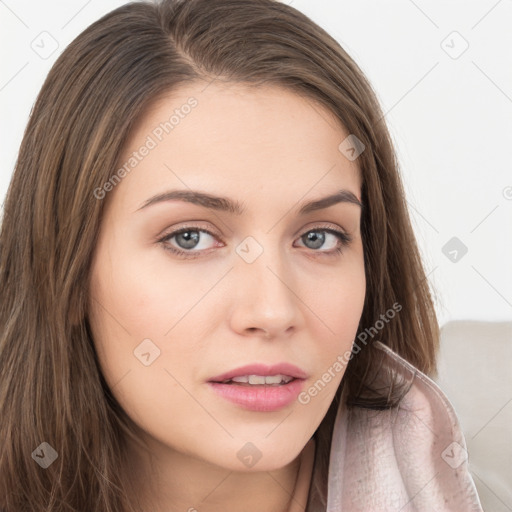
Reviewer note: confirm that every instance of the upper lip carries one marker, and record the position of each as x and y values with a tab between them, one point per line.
263	370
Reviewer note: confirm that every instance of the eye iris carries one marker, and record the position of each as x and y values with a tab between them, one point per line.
317	237
190	238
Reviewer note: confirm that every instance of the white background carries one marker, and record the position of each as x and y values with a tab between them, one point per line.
450	118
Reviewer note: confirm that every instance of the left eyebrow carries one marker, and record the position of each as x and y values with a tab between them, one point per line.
213	202
342	196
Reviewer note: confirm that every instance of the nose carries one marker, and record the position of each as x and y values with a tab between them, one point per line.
265	298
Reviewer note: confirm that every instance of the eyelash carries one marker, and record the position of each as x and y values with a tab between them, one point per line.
344	240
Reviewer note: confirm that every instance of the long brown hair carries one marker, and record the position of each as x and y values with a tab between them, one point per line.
52	390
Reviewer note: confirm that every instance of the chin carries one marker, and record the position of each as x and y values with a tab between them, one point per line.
258	455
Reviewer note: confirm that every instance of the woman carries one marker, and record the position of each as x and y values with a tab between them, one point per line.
212	295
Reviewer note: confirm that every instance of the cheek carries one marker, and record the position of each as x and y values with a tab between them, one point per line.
338	306
141	305
338	300
142	294
145	351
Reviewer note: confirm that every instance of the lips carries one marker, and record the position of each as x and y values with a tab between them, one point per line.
260	388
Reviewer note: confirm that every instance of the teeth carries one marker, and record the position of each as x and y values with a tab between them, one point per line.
260	379
257	379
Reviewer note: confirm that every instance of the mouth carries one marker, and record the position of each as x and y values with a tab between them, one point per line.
259	380
261	374
260	388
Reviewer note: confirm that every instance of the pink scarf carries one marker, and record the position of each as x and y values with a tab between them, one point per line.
411	458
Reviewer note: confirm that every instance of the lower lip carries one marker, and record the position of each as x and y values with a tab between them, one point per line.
260	398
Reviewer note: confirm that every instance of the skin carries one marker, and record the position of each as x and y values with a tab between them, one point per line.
271	150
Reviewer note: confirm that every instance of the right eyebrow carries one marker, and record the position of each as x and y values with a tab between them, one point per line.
199	198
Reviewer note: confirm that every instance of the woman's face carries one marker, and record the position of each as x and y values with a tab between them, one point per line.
254	278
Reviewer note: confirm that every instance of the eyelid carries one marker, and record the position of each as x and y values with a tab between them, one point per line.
185	226
321	225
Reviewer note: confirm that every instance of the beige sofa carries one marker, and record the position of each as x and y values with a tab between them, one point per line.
475	372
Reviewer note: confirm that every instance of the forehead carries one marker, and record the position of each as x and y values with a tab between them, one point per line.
230	136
